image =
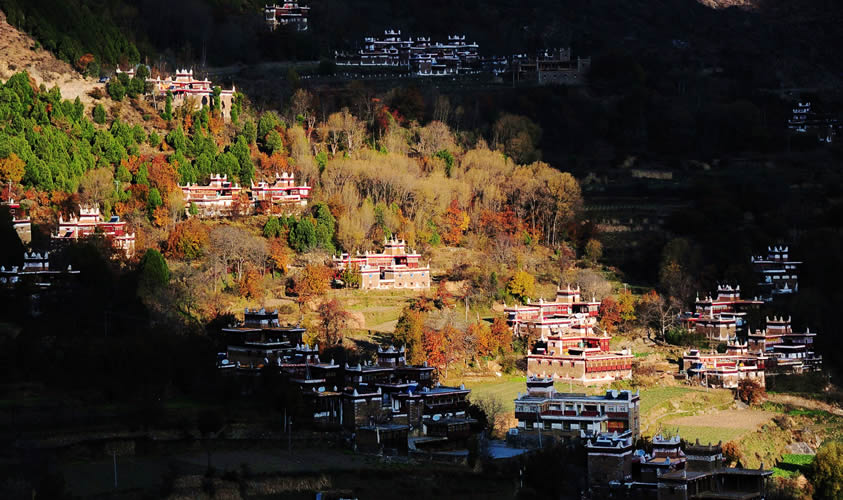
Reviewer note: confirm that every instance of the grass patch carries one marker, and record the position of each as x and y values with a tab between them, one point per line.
707	434
792	465
652	397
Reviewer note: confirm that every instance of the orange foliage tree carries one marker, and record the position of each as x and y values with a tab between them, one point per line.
333	320
312	282
251	284
187	240
161	216
12	168
609	314
454	224
279	254
162	175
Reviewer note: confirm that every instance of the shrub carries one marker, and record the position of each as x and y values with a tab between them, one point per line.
750	392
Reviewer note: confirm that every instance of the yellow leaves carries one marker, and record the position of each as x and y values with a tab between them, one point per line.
522	285
12	168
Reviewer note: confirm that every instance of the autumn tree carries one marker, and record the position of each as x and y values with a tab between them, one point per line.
435	348
522	286
187	240
750	391
12	168
409	332
250	284
279	255
333	321
312	282
593	251
732	453
455	222
657	312
609	315
626	306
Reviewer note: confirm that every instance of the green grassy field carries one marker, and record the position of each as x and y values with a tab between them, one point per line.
792	465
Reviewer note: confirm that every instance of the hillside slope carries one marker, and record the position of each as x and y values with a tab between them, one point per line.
18	52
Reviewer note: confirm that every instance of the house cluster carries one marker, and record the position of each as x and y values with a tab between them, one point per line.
35	286
397	267
772	350
386	404
777	272
184	85
668	471
223	198
288	14
551	67
35	273
806	120
90	223
419	55
545	415
723	316
569	344
755	353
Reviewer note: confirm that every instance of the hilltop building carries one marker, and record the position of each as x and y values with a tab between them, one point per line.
36	273
551	67
805	120
20	220
566	416
394	268
724	370
223	198
282	192
668	472
216	199
775	349
291	14
89	223
722	317
419	55
568	346
777	272
183	85
788	351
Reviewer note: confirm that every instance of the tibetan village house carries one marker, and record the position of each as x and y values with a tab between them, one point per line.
775	349
282	192
668	472
394	268
185	86
567	346
420	55
291	14
724	370
89	223
21	222
35	273
723	317
219	198
566	416
551	67
777	273
788	351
